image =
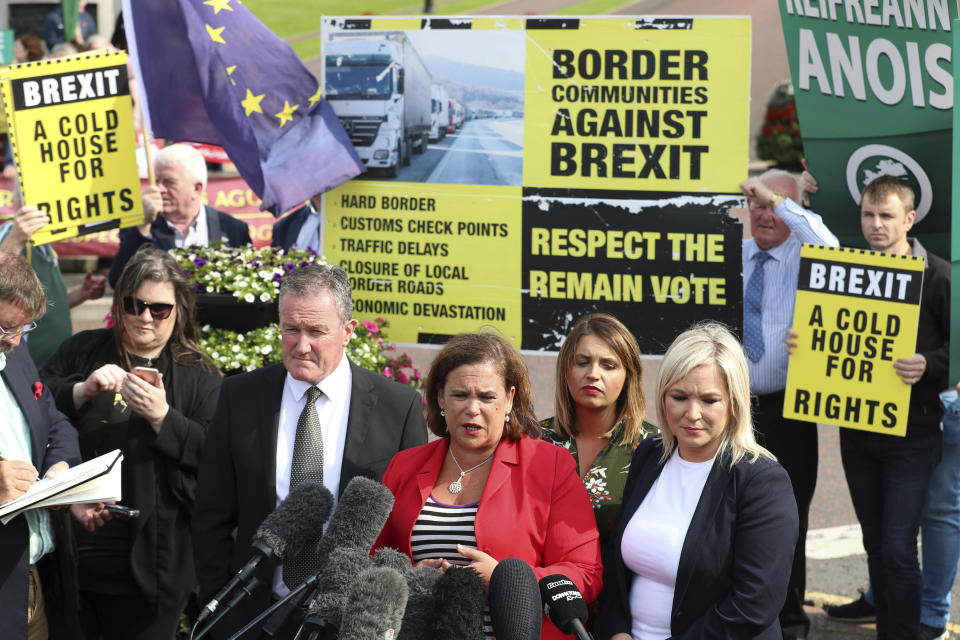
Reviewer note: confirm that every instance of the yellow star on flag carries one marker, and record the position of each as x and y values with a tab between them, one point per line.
287	114
315	98
215	34
230	71
251	104
219	5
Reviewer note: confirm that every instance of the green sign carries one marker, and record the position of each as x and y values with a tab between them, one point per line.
875	91
6	46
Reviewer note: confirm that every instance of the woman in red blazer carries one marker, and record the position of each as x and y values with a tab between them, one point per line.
489	466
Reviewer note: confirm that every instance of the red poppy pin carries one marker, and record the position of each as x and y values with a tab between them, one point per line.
37	390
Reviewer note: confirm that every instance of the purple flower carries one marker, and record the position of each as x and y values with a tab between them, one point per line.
199	262
371	326
387	372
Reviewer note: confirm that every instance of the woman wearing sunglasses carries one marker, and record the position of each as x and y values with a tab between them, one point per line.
143	387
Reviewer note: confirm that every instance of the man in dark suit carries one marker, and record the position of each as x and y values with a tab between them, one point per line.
183	219
300	229
316	416
35	439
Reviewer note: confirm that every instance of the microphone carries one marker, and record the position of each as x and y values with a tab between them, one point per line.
418	617
335	580
363	510
283	533
564	605
374	606
459	600
515	607
390	557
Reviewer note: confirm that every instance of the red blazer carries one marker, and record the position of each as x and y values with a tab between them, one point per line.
533	507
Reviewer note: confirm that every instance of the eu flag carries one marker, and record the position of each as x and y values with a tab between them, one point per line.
214	73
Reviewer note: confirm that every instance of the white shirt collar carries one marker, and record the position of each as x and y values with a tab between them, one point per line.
334	387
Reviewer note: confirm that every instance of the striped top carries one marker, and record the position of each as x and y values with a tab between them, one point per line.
437	532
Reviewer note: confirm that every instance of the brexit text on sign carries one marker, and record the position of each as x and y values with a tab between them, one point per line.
856	313
72	130
524	172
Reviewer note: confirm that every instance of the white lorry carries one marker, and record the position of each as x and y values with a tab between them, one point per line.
381	91
439	112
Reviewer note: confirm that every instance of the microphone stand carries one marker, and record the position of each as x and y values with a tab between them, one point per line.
302	590
245	590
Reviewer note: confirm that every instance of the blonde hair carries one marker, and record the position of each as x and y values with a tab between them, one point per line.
631	404
705	344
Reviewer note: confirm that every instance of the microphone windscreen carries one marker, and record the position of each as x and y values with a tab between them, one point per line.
390	557
297	521
418	618
459	601
337	575
363	510
374	606
515	608
562	602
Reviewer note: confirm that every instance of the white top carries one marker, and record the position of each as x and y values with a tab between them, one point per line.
197	234
653	540
780	275
333	409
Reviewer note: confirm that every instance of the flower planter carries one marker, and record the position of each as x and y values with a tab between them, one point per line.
225	311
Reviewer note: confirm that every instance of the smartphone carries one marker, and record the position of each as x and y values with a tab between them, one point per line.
149	374
120	510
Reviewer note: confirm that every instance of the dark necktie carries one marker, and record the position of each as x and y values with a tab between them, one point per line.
307	465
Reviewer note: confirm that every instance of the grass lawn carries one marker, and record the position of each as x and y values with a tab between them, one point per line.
291	17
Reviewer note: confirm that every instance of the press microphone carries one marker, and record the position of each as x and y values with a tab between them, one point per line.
515	607
418	617
390	557
374	606
334	581
564	605
283	533
363	510
459	600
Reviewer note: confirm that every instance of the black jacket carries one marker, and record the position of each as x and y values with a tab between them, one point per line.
933	343
736	556
238	475
52	439
159	474
220	226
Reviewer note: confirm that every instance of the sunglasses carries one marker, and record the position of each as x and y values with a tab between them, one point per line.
158	310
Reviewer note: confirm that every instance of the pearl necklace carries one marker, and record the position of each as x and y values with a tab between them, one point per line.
456	486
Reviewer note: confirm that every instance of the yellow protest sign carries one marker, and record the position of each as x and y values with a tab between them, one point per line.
615	105
529	171
436	260
73	142
856	313
4	87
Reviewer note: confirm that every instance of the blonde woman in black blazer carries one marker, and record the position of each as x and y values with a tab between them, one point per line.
730	579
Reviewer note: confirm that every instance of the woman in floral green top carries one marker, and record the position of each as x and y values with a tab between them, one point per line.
599	410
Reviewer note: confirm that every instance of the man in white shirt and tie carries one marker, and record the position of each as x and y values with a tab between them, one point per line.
771	262
315	416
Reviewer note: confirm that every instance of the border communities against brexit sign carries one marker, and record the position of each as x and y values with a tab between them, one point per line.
72	125
524	172
857	312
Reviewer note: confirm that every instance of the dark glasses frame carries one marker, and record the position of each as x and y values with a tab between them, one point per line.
135	307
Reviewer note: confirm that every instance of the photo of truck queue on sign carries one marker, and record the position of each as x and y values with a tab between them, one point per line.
856	312
524	172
